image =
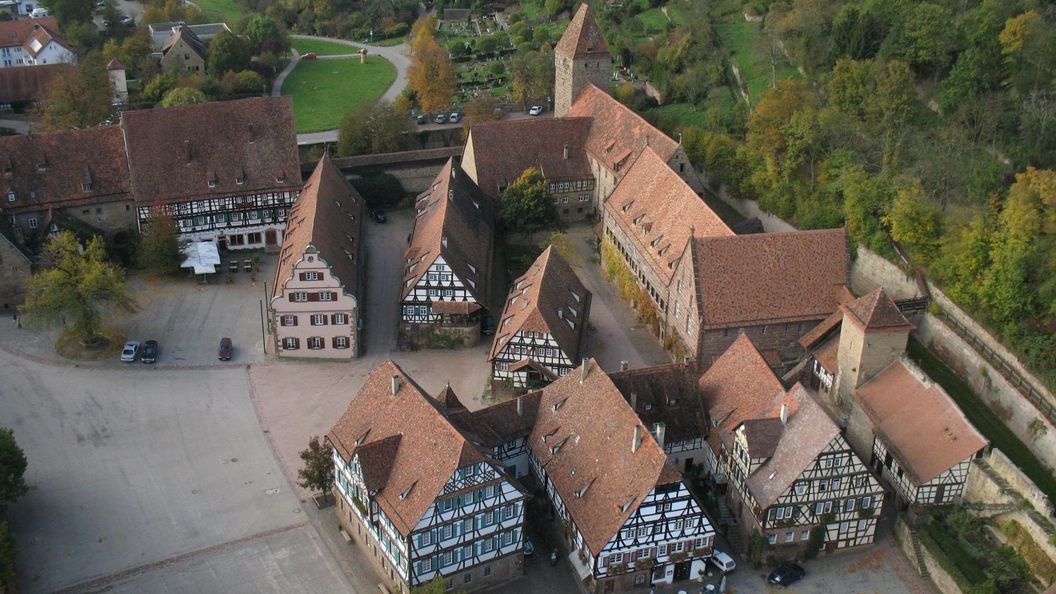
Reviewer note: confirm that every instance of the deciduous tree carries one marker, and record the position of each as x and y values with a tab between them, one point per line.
79	97
77	285
377	128
159	249
533	76
914	222
432	76
228	51
70	11
318	471
12	469
527	206
182	96
266	35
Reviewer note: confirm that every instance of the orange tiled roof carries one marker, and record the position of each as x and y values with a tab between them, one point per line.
582	37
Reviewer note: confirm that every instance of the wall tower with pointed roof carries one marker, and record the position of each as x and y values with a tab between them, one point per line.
873	335
580	58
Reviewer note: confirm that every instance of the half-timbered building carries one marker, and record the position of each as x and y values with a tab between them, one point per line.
628	517
421	499
448	267
540	332
315	309
226	171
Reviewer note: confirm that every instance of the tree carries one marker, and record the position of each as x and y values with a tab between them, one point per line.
70	11
924	37
134	52
79	97
527	205
182	96
77	285
377	128
12	469
432	76
159	249
914	222
318	471
266	35
228	51
423	31
533	76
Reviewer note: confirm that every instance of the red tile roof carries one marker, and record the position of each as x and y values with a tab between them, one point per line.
19	84
666	394
918	422
542	301
876	311
45	170
582	439
538	143
770	277
659	212
21	31
174	153
582	37
327	216
618	134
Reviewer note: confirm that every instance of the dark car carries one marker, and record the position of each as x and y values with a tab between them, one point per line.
787	574
379	216
421	120
150	352
226	350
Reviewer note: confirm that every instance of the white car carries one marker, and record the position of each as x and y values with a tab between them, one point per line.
723	561
535	110
130	352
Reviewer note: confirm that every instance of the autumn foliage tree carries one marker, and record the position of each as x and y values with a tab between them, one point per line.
78	97
431	75
159	249
526	204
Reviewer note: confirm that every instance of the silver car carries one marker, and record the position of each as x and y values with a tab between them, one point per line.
130	352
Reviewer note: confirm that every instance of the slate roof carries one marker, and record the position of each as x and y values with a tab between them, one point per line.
405	442
542	301
328	216
588	428
660	212
666	394
618	134
45	170
182	32
537	142
19	84
920	424
173	153
876	311
583	37
456	221
770	277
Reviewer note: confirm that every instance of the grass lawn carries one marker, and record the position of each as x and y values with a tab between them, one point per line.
325	90
748	51
654	20
984	419
323	48
227	11
391	41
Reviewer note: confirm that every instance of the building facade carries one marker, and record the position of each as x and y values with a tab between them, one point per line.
33	42
183	52
315	311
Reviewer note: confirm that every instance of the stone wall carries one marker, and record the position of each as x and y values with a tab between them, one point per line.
942	580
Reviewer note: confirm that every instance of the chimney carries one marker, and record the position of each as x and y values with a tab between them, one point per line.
659	429
784	414
637	441
624	365
634	401
187	152
566	152
395	384
586	370
520	406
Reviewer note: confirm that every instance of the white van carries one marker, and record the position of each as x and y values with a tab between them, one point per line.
723	561
38	13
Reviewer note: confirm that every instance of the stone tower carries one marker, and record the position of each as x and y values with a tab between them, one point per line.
873	335
581	57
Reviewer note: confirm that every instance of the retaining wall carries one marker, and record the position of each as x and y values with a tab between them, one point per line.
943	581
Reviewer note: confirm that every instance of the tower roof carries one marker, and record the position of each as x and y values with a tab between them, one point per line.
583	37
876	311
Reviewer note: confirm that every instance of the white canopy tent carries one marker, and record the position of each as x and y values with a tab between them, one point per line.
202	256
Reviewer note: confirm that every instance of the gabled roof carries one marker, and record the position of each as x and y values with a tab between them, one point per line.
503	150
582	438
618	134
582	37
50	169
39	38
737	387
799	442
174	153
19	84
918	421
545	299
497	424
327	216
115	64
770	277
405	441
666	394
20	31
876	311
456	221
660	212
188	36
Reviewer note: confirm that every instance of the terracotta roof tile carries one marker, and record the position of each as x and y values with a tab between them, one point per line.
21	31
173	153
545	299
499	423
667	394
918	421
876	311
503	150
20	84
770	277
659	211
582	37
328	215
457	221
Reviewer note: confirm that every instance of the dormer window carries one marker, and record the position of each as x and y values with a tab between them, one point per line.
240	180
10	196
281	179
212	182
639	219
86	187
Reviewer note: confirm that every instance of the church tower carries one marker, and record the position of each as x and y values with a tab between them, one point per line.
581	57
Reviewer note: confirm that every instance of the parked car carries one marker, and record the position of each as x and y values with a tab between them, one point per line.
421	119
150	352
128	21
529	548
535	110
130	351
379	216
38	13
455	117
310	56
723	561
787	574
226	349
440	118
